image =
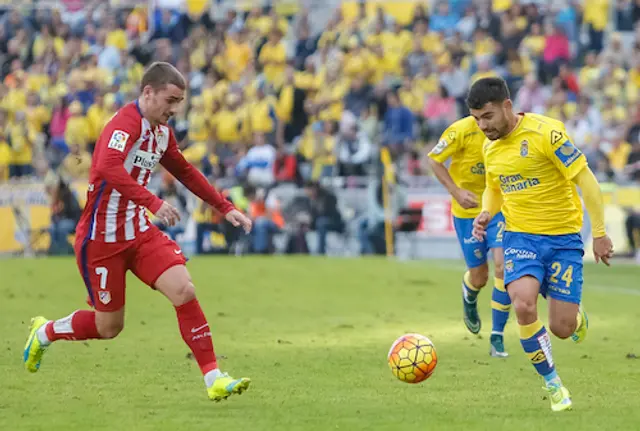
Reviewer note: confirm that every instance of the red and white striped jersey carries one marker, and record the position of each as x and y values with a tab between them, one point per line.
125	155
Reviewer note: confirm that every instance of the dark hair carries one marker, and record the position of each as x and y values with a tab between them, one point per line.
160	74
487	90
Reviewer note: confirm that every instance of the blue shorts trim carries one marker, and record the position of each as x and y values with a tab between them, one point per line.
474	251
554	260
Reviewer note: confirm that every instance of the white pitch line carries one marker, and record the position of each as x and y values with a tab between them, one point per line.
613	289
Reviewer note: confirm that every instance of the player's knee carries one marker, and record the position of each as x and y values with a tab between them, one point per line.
479	277
111	329
563	328
525	308
185	292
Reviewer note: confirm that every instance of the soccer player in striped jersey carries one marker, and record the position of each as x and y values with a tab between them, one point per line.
114	234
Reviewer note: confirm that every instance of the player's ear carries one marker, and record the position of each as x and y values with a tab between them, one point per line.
507	105
147	90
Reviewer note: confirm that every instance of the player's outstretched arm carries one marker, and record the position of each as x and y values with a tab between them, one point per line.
592	196
192	178
110	166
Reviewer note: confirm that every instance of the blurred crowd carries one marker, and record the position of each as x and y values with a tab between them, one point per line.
273	102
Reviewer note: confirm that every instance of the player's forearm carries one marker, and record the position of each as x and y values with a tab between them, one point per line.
592	196
442	174
491	201
115	175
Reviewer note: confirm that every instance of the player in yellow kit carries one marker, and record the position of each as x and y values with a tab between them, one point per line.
465	180
532	170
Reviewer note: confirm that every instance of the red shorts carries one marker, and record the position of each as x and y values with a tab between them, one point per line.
103	266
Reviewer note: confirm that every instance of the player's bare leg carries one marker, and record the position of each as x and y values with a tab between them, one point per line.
474	280
567	319
175	283
535	339
500	306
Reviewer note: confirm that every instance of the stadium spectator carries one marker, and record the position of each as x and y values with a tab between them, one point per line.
325	216
77	163
267	221
556	51
359	96
398	123
532	96
257	166
353	147
65	213
439	112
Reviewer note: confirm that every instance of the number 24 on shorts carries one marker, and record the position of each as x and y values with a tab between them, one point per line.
567	274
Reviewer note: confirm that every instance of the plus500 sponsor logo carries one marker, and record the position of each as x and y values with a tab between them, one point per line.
145	160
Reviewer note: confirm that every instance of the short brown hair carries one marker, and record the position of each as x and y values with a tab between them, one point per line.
160	74
487	90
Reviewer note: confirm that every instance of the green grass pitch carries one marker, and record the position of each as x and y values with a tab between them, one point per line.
313	334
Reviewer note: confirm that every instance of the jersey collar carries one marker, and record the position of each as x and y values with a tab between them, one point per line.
515	129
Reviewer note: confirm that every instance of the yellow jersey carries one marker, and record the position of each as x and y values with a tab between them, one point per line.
462	142
533	167
273	59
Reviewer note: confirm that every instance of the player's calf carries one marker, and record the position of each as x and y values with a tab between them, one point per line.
110	324
562	329
478	277
176	285
563	319
79	325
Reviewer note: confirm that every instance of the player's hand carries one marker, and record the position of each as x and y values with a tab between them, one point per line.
466	199
236	218
168	214
480	224
602	249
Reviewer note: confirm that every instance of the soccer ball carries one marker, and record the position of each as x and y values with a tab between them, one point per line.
412	358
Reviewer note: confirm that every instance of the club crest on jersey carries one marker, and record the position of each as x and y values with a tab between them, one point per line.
104	296
524	148
118	140
145	159
508	266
